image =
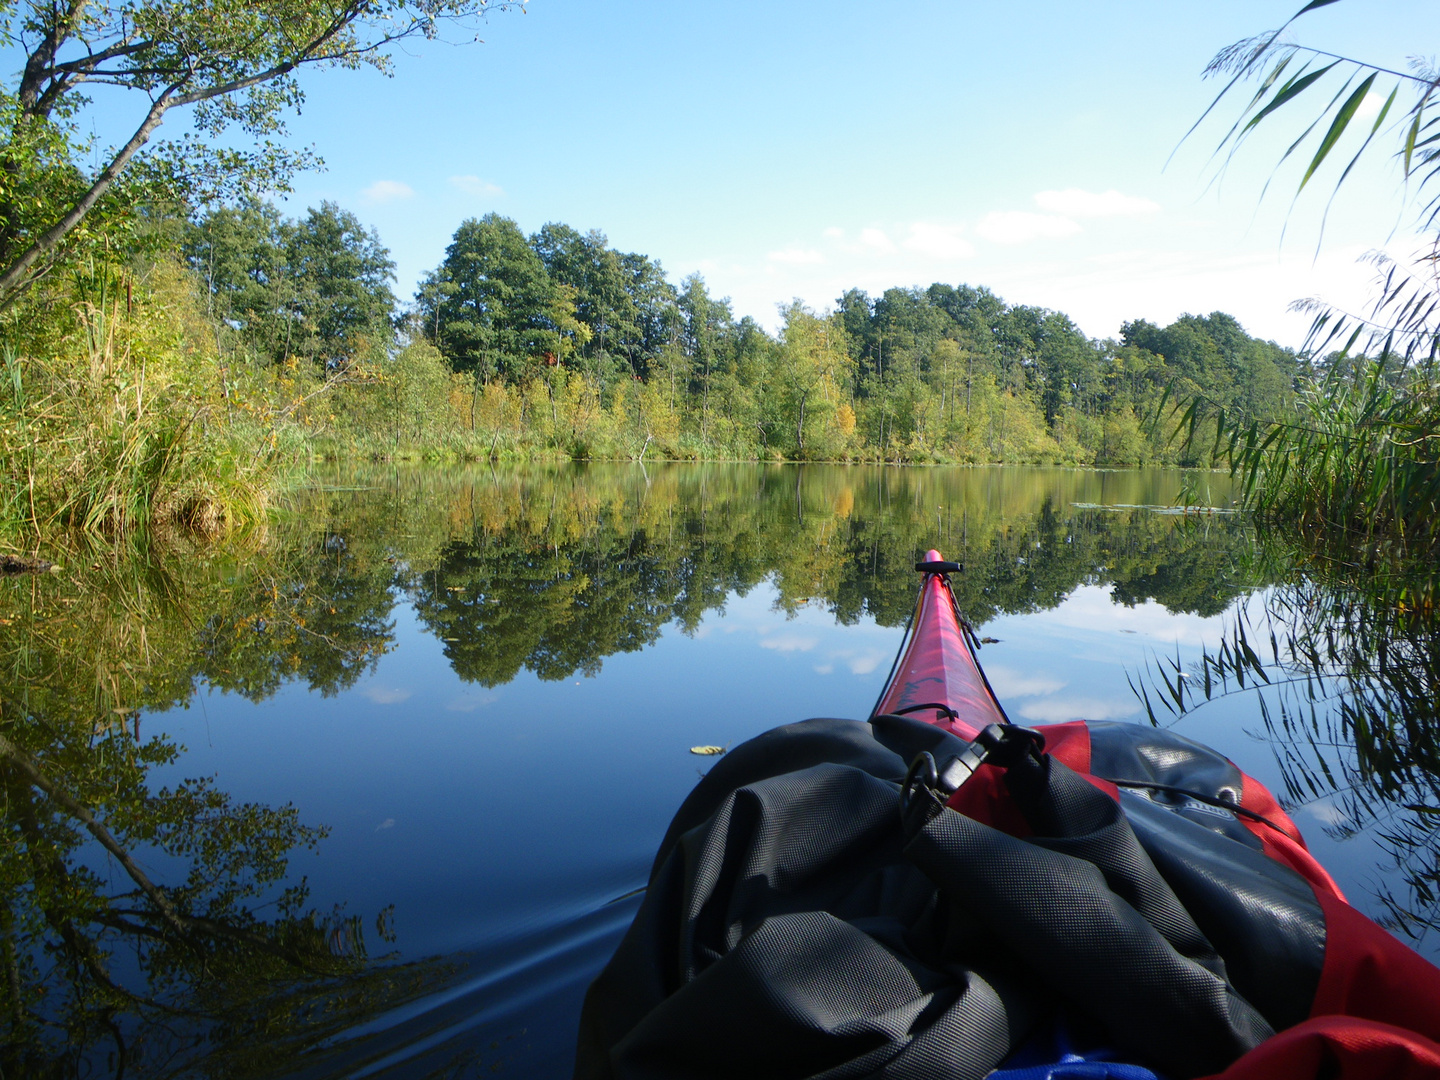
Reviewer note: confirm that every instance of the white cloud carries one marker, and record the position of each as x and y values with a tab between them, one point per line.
470	702
1370	107
834	232
939	241
1072	202
383	695
473	185
789	643
1058	710
1007	683
876	238
1327	813
383	191
1021	226
857	661
1102	291
866	662
796	256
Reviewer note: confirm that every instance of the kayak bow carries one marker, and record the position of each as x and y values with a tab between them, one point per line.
937	677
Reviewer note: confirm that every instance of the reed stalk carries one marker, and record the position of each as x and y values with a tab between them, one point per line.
1358	459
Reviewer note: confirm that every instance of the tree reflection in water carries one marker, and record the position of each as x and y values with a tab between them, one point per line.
1344	661
146	928
554	571
152	929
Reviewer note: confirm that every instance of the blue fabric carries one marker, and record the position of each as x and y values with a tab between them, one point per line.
1053	1056
1074	1067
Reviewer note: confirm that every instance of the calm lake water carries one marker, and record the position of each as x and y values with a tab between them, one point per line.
410	753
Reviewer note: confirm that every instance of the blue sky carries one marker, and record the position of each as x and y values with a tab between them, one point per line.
796	149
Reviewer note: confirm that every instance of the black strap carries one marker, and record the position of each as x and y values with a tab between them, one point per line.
930	785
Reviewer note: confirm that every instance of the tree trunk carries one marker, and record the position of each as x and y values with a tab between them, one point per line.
18	275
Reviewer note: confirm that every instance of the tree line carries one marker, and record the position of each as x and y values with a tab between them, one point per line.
178	379
567	346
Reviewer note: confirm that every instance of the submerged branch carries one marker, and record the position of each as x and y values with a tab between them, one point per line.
30	769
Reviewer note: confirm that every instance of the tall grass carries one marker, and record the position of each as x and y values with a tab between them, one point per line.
1358	460
126	419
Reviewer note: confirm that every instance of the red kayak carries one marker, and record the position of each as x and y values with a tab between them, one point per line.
936	892
1376	1009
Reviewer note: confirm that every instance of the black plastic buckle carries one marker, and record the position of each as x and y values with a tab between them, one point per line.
1000	744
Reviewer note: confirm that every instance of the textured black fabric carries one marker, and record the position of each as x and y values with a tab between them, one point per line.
1130	752
1261	916
788	749
906	737
792	928
1090	918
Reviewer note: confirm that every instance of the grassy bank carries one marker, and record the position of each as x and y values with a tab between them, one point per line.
1355	467
413	408
118	414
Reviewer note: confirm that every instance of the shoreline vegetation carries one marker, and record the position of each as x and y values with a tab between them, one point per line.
150	392
176	352
1352	469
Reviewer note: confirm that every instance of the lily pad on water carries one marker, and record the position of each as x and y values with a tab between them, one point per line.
707	749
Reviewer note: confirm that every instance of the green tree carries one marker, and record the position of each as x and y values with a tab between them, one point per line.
492	300
658	314
317	288
602	301
1213	356
342	305
705	325
812	366
230	63
238	252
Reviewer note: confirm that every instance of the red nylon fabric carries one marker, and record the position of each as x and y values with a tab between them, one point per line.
1070	743
1295	855
1376	1013
1257	797
1339	1048
1371	975
985	798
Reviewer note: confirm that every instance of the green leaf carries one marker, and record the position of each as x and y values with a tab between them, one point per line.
1411	136
1292	89
1270	79
1386	110
1337	128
